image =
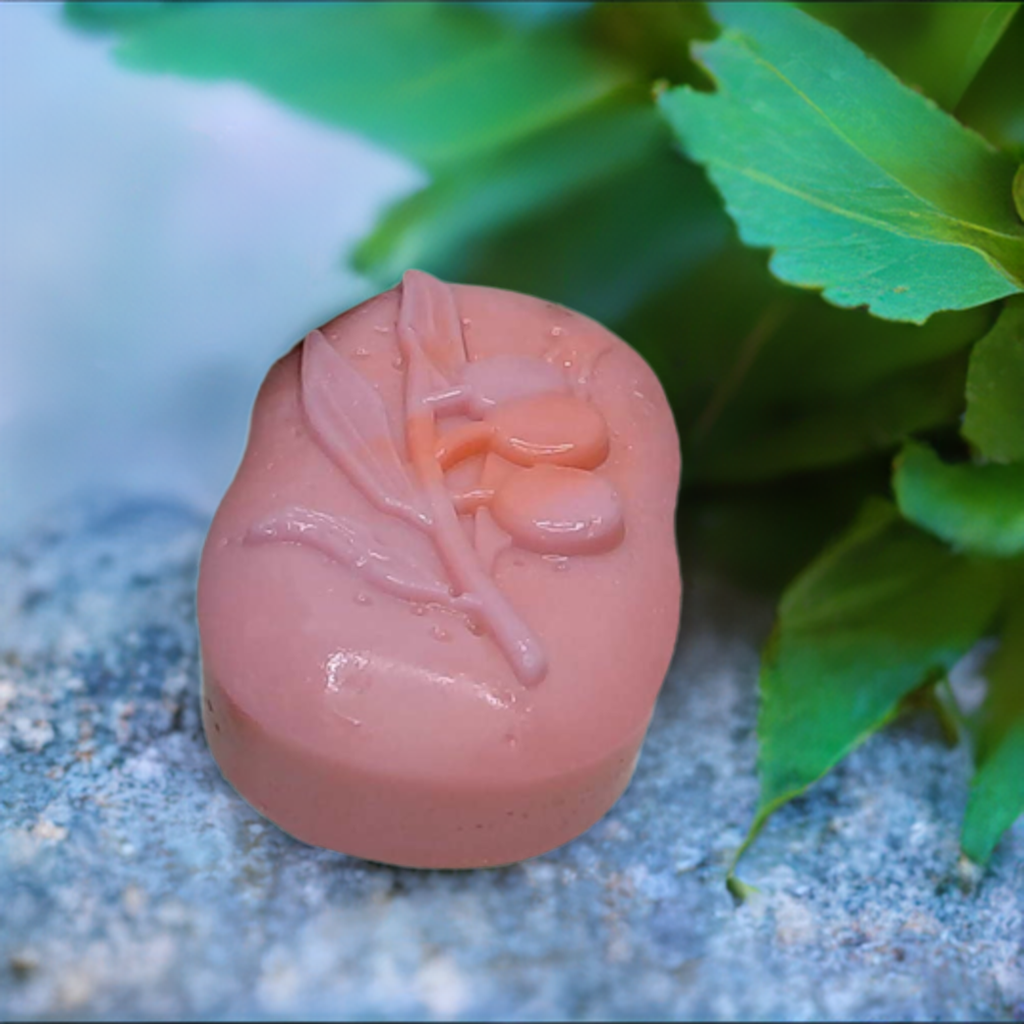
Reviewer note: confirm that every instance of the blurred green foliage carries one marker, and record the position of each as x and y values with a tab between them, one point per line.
937	49
994	418
873	148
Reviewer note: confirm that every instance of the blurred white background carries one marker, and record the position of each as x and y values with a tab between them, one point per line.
161	242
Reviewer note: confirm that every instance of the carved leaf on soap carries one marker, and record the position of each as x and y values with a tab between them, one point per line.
349	420
353	544
428	312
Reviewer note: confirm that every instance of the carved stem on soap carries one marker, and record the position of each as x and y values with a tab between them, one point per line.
428	321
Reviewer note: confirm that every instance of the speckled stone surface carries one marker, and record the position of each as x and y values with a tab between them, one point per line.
135	884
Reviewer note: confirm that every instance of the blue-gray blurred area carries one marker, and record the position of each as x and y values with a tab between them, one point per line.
161	242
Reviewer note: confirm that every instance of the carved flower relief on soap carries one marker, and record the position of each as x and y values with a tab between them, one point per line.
532	420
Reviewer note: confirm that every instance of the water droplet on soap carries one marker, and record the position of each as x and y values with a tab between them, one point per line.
419	609
381	329
511	740
476	628
440	634
348	672
558	562
398	362
556	332
466	322
363	599
361	353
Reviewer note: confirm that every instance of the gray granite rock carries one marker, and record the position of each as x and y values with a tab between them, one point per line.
134	883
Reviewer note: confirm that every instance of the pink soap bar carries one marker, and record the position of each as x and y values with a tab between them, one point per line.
438	601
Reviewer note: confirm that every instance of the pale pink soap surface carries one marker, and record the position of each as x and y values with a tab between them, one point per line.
439	599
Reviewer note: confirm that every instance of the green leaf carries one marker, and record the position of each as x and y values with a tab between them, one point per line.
767	381
725	373
609	247
790	437
935	47
997	792
594	212
974	508
994	101
989	25
600	249
882	612
823	155
437	82
994	421
438	227
533	12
